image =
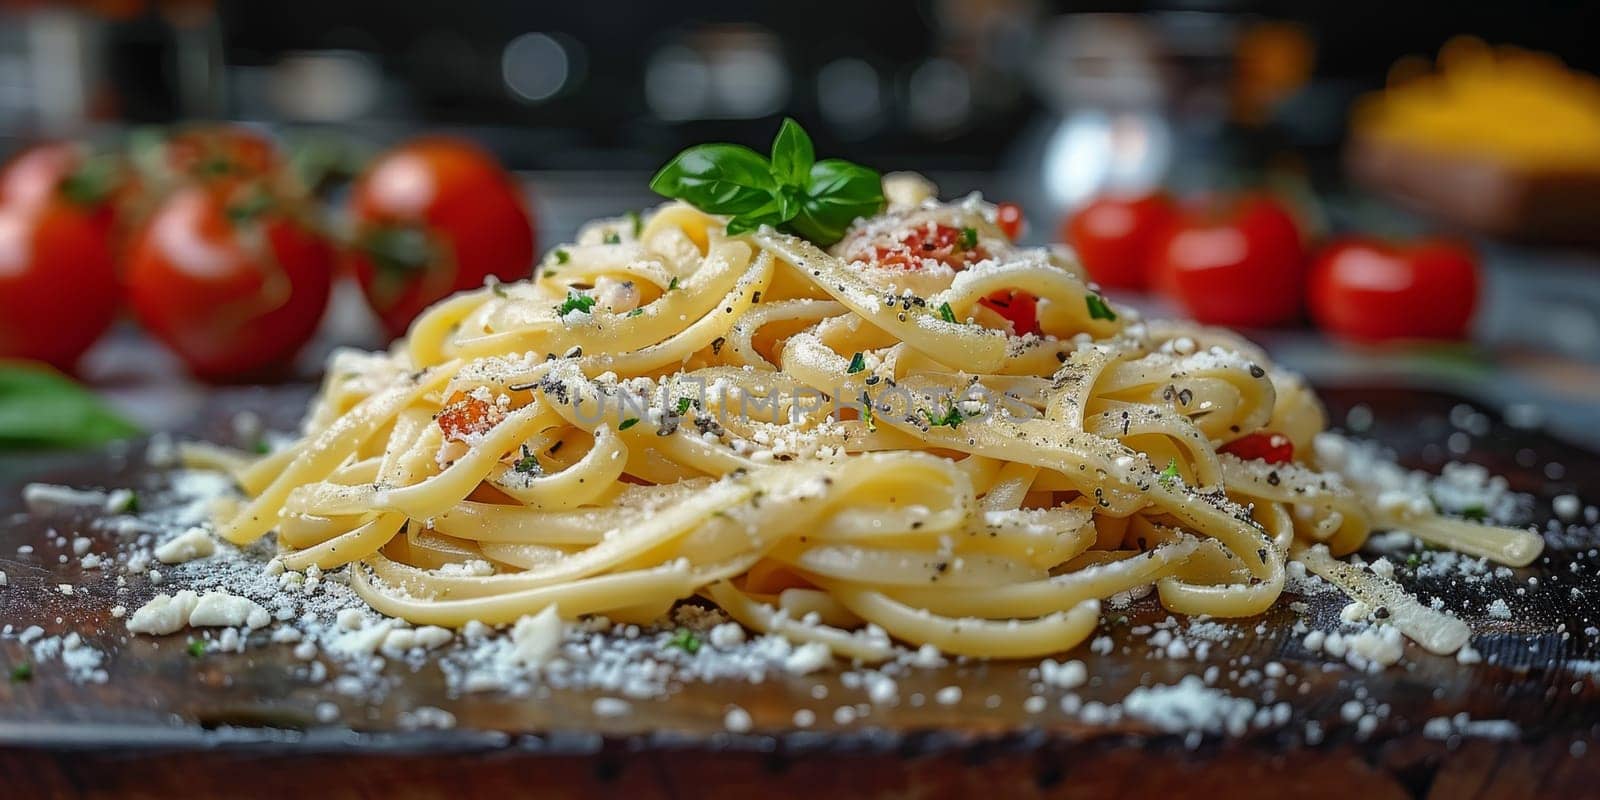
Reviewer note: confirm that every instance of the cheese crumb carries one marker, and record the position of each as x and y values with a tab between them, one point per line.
187	546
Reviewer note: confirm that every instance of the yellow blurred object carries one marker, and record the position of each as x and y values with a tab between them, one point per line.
1523	109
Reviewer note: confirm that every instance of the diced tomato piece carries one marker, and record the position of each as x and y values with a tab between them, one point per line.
1021	309
1273	448
1009	217
465	415
943	244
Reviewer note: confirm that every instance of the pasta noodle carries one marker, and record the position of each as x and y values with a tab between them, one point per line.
848	447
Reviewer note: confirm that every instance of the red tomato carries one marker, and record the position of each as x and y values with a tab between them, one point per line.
1009	217
43	173
1240	265
1114	237
1273	448
230	279
58	282
941	243
433	217
1021	309
1372	291
221	151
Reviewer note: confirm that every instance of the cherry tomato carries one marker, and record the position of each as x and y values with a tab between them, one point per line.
1273	448
1009	217
209	152
58	281
95	182
433	217
1373	291
230	279
1238	265
1114	237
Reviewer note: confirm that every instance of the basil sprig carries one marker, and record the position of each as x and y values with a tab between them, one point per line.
792	190
41	408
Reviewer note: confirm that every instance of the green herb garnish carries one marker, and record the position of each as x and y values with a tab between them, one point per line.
22	673
947	313
576	301
613	238
498	288
527	465
685	640
1476	512
129	505
969	238
1414	560
636	312
1171	472
858	362
815	199
562	256
197	648
637	221
628	423
866	412
1098	309
951	419
683	405
672	285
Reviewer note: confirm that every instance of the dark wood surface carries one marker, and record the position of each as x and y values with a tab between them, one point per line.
245	724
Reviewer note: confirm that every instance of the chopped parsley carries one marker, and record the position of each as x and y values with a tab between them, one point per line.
673	284
261	446
1098	308
527	465
1476	512
22	672
638	223
628	423
946	313
866	412
685	640
683	405
951	419
1169	473
562	256
636	312
197	648
613	238
858	362
1414	560
969	238
498	288
576	301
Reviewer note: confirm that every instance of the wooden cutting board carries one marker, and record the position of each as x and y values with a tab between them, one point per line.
245	724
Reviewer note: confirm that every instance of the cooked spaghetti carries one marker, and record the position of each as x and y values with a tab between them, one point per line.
926	434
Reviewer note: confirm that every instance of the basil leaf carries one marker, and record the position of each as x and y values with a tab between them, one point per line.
837	194
792	155
717	178
781	208
40	407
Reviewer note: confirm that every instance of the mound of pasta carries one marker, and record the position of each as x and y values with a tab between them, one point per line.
926	433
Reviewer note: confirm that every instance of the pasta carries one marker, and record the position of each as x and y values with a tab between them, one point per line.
925	434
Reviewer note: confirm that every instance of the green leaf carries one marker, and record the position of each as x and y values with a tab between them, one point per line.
562	256
22	673
792	154
685	640
41	408
576	301
197	648
1098	308
613	238
951	419
718	179
946	313
628	423
837	194
858	362
683	405
1171	472
969	238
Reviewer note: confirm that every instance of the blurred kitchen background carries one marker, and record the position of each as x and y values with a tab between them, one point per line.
1044	103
